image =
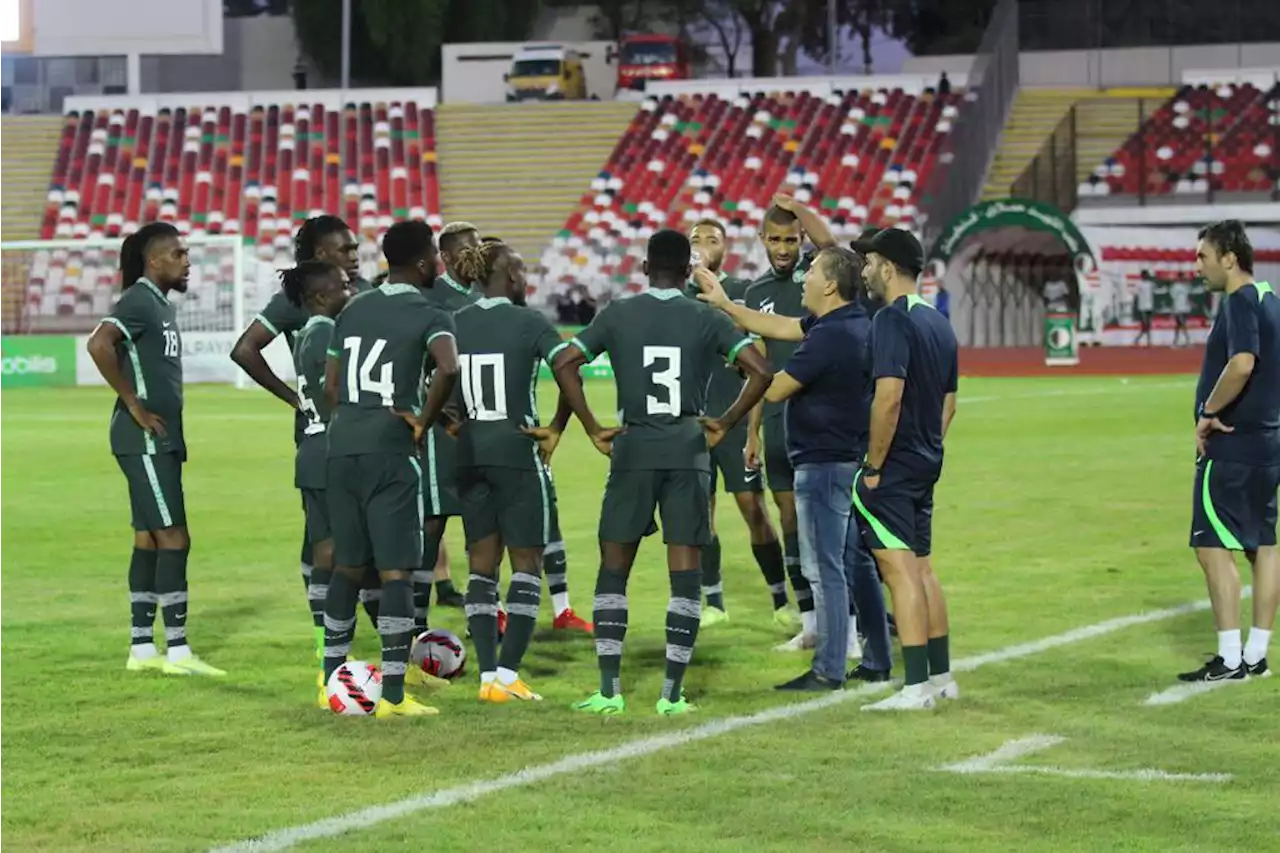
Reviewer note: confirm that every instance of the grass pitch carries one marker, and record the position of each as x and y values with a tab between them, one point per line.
1065	503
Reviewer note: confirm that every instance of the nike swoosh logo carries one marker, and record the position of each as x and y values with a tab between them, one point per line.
1197	532
166	325
1221	677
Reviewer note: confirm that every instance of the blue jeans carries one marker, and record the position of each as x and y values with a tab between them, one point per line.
824	500
868	599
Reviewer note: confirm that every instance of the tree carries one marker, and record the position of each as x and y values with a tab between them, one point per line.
397	42
722	18
940	26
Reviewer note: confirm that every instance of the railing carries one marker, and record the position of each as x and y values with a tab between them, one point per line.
1051	176
992	83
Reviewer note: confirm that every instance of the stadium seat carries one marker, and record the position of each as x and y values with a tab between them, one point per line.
1219	138
225	169
859	156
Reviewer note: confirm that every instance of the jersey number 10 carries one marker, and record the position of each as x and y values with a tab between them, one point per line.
474	370
360	374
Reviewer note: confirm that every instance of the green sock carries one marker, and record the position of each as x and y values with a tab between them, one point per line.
339	620
482	620
142	596
610	617
395	625
683	612
915	660
524	595
939	655
171	592
712	587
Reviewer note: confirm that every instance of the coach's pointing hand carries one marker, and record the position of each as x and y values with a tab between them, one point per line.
712	293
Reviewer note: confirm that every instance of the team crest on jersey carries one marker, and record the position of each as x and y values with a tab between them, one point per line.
798	275
766	308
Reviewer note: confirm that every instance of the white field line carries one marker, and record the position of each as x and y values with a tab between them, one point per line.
1012	750
283	839
105	415
1182	692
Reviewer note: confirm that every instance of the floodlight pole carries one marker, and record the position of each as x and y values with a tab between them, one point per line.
832	42
344	84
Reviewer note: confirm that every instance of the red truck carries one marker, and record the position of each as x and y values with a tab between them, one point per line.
652	57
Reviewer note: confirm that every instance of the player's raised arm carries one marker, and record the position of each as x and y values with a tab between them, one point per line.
247	353
774	326
811	222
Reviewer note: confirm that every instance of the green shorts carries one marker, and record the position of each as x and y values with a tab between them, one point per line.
513	502
681	499
315	505
779	474
375	509
155	490
728	462
440	471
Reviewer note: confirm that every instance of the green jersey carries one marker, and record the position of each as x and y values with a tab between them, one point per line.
779	293
381	343
500	346
310	357
281	317
449	295
150	358
663	348
726	381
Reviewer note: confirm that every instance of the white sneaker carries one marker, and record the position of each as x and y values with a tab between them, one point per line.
799	643
915	697
944	686
855	647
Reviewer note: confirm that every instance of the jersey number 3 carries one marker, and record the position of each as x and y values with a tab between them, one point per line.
360	374
473	368
668	377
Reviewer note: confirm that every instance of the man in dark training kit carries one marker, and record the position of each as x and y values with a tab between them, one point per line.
138	351
780	291
504	483
728	458
321	289
328	239
382	346
1238	452
663	347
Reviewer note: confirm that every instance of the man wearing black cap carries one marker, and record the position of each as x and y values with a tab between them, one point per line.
914	362
663	348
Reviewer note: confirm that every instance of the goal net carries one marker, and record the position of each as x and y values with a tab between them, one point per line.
65	287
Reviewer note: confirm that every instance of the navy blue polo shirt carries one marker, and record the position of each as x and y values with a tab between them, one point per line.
912	341
1248	321
828	419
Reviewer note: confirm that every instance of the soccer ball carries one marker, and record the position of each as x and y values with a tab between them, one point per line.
439	652
354	689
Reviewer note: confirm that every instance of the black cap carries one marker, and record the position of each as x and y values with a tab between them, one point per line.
897	245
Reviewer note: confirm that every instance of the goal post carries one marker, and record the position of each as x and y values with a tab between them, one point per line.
66	286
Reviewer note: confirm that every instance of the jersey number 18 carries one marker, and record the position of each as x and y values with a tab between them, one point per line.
360	374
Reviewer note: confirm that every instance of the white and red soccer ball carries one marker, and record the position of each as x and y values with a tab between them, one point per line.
439	652
354	689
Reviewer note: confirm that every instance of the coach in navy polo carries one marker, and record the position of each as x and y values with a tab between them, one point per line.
827	386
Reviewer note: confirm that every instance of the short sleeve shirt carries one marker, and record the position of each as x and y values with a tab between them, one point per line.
726	381
780	293
310	357
827	419
500	348
1248	321
911	341
663	348
150	359
381	343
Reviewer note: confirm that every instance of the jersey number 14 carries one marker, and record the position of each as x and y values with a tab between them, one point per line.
360	374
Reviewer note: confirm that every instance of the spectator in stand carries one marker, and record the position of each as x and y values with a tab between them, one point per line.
944	85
